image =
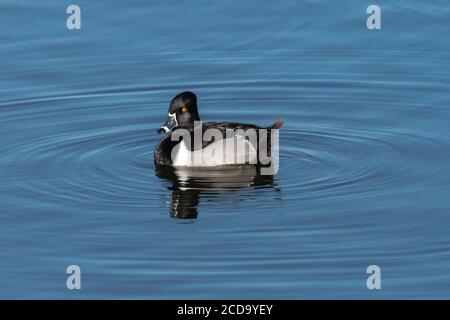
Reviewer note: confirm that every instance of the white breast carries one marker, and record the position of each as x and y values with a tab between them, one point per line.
234	150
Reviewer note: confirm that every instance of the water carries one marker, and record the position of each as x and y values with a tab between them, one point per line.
364	160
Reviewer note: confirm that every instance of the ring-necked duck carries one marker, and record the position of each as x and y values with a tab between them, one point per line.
180	148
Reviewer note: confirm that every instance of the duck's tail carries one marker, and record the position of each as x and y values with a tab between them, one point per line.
277	124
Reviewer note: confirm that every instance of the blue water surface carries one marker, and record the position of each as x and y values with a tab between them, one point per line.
364	162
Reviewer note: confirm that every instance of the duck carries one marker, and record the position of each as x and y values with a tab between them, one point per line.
180	147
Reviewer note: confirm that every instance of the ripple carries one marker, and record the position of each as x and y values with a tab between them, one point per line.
95	150
335	162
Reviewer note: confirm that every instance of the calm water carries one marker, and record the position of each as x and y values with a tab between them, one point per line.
364	174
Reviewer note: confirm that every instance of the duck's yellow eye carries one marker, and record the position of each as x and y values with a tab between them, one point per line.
184	109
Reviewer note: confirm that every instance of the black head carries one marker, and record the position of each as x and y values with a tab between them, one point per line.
182	112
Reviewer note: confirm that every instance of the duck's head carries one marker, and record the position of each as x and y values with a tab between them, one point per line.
182	112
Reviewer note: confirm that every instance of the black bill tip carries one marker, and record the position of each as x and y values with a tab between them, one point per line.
162	130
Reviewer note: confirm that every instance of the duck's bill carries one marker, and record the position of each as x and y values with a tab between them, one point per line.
170	123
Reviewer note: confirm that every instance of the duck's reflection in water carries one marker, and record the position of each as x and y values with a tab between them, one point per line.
188	185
